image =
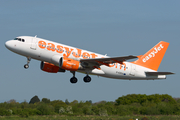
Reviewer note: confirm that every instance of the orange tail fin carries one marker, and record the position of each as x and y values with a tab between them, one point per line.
153	57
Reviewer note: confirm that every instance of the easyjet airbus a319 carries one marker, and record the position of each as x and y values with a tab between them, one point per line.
56	57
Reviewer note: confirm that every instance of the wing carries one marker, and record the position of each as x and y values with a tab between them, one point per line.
106	61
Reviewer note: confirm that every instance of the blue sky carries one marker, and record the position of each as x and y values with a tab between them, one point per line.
116	28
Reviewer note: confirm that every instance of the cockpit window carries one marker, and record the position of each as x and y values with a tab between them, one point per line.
19	39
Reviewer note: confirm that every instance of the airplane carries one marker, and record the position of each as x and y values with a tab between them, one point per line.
56	57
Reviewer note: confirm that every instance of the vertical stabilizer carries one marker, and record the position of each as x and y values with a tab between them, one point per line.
153	57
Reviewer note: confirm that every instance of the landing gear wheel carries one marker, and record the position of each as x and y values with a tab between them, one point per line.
87	79
26	66
73	80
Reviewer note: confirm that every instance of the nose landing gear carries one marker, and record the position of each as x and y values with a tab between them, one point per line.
26	66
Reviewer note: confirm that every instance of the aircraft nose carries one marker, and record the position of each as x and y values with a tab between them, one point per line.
8	44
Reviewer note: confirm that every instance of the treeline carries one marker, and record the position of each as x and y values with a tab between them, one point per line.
134	104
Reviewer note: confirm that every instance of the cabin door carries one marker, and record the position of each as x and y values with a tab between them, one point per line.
133	70
34	43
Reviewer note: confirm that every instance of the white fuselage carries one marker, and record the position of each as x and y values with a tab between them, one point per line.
44	50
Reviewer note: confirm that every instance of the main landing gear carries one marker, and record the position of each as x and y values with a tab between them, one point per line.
86	79
26	66
73	79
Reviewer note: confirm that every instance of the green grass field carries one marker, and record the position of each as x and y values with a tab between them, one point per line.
57	117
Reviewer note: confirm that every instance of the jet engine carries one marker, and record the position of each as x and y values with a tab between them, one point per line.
51	68
69	64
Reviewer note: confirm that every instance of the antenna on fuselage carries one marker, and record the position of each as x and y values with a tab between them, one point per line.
35	36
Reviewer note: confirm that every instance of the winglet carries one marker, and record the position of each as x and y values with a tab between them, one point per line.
153	57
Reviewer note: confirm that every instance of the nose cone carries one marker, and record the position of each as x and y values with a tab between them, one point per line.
9	44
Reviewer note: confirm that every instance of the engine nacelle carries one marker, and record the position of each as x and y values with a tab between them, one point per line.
69	64
51	68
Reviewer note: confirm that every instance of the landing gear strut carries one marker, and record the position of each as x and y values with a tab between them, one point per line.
73	79
26	66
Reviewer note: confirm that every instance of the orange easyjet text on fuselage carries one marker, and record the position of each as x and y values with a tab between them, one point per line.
66	50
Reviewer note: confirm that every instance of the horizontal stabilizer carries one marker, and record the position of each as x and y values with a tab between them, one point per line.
158	73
